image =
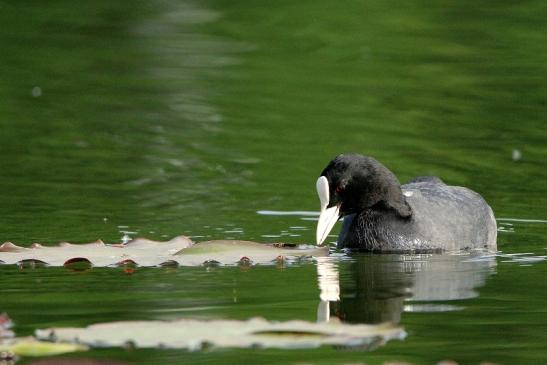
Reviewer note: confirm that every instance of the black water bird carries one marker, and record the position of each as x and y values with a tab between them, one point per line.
380	214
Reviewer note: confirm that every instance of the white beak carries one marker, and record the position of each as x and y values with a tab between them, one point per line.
328	216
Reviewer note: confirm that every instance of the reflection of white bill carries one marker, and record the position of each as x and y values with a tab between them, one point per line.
329	286
328	279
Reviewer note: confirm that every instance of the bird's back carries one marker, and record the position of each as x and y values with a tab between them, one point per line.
446	218
451	217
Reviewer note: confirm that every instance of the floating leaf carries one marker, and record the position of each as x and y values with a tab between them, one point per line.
245	252
178	251
195	334
30	347
5	325
146	252
77	361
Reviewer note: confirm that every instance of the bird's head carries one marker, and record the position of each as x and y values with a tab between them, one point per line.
352	183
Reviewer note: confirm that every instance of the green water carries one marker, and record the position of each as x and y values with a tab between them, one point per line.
175	117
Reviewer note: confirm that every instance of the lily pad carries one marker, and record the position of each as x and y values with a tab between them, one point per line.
77	361
245	252
29	346
11	346
5	325
192	334
143	252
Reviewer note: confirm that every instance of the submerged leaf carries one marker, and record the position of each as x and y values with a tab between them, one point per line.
178	251
194	334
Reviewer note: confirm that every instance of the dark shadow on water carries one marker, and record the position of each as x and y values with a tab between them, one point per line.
375	288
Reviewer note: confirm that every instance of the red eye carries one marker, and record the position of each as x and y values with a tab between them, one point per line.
339	189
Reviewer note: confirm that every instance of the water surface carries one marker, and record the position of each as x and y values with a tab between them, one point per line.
167	118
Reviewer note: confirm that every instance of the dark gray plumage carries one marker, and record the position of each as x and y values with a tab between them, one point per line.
423	215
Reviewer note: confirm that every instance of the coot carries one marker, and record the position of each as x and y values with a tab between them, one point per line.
381	215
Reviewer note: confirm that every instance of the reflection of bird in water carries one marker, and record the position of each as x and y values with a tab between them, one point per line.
379	288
